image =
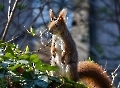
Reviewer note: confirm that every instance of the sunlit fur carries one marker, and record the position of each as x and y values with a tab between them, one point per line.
63	49
93	75
65	56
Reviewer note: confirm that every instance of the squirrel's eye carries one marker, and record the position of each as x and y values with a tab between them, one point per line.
51	19
55	18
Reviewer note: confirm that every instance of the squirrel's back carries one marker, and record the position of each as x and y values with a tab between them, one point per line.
93	75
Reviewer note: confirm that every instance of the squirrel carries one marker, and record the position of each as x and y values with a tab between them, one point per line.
64	55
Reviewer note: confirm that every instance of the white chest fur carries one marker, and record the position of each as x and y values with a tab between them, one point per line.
59	46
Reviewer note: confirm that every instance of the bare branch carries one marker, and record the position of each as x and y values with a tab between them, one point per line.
8	22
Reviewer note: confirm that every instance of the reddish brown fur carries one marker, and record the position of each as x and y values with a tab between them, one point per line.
93	75
90	73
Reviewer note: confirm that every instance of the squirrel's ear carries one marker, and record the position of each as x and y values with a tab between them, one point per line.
63	13
51	15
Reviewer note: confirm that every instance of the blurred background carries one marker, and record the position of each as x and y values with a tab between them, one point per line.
94	25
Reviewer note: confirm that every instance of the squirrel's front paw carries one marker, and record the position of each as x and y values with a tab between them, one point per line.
53	53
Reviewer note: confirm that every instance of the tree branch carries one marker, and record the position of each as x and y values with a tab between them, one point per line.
4	32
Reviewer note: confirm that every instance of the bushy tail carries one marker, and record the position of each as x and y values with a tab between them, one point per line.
93	75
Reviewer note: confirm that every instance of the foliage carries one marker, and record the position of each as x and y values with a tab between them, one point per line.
23	69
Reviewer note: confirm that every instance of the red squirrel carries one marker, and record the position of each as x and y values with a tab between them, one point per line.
65	56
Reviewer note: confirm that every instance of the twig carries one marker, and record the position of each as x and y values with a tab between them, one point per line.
118	85
116	69
8	21
13	38
114	74
9	9
41	9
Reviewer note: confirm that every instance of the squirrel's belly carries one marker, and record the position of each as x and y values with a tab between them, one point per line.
59	48
59	45
63	69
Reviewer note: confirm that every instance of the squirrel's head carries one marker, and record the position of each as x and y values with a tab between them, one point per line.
57	25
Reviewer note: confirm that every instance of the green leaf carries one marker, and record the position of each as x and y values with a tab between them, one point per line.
24	56
15	78
50	68
1	41
29	75
10	44
2	44
9	50
69	81
70	84
9	55
32	31
27	49
22	61
2	58
14	67
89	59
2	73
54	79
38	65
40	83
34	58
46	67
4	65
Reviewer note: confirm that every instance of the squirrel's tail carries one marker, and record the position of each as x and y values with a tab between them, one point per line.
93	75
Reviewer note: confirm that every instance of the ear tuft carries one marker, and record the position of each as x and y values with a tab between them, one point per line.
51	15
63	14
